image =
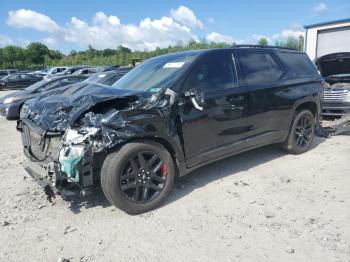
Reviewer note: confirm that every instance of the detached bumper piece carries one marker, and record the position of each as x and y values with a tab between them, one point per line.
339	126
36	173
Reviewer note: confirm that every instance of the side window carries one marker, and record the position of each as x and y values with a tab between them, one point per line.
298	64
259	68
215	71
13	78
26	77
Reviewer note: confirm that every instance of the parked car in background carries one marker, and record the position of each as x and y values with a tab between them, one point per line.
56	70
18	81
70	70
335	68
11	104
168	116
7	72
48	73
109	77
87	71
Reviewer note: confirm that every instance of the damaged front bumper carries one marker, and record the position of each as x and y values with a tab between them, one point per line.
57	159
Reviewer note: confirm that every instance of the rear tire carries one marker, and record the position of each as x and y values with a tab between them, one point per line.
301	134
138	177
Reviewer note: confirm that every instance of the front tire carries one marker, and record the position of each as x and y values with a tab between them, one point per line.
301	133
138	177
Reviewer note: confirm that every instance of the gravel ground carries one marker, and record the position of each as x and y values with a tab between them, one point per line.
262	205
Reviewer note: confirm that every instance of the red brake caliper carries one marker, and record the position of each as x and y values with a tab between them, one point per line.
163	170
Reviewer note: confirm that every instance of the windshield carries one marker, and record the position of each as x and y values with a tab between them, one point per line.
37	85
157	73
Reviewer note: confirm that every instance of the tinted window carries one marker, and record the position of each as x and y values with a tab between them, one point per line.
259	68
3	73
214	71
26	77
298	64
13	78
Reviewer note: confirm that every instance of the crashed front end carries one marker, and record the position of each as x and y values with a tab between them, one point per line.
66	142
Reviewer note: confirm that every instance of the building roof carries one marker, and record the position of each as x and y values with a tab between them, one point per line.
327	23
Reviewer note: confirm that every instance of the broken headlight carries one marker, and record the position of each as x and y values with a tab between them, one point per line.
24	111
69	159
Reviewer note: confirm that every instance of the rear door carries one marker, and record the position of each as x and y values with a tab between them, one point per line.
215	128
26	80
268	110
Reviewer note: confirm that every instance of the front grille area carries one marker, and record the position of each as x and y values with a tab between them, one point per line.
335	95
42	148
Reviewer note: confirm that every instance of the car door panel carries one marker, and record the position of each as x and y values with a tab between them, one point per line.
218	128
267	115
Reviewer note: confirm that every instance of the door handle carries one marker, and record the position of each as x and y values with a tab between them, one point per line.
195	104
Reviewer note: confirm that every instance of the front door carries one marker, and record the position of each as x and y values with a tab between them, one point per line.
215	126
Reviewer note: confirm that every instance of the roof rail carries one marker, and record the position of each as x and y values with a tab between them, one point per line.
263	46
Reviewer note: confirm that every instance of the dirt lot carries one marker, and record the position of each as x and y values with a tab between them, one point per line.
262	205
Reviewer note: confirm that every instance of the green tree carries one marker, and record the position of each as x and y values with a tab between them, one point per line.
263	41
35	53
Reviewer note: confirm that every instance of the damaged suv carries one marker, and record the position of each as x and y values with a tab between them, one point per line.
169	116
335	68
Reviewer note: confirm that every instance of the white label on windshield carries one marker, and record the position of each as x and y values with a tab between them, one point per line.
174	65
101	75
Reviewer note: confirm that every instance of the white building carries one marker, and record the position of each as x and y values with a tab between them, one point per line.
326	38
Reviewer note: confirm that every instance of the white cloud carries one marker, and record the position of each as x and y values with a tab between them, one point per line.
286	33
219	38
5	40
25	18
108	32
50	42
320	8
186	17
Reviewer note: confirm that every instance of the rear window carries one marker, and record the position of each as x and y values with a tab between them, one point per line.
298	64
259	68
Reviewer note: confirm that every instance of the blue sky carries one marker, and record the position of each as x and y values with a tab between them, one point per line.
67	25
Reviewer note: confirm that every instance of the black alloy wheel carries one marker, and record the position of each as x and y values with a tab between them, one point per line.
304	131
301	133
138	176
143	177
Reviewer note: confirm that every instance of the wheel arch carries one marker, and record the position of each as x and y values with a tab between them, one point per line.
307	103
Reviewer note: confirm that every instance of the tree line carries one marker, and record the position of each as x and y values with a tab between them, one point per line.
39	55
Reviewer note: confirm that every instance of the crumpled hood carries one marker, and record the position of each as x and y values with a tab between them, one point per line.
58	109
334	64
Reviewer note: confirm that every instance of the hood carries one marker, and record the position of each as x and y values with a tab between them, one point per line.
12	94
334	64
18	95
58	109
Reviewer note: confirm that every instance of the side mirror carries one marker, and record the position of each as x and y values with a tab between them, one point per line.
192	94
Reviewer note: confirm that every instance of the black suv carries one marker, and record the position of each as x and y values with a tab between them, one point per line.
169	116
